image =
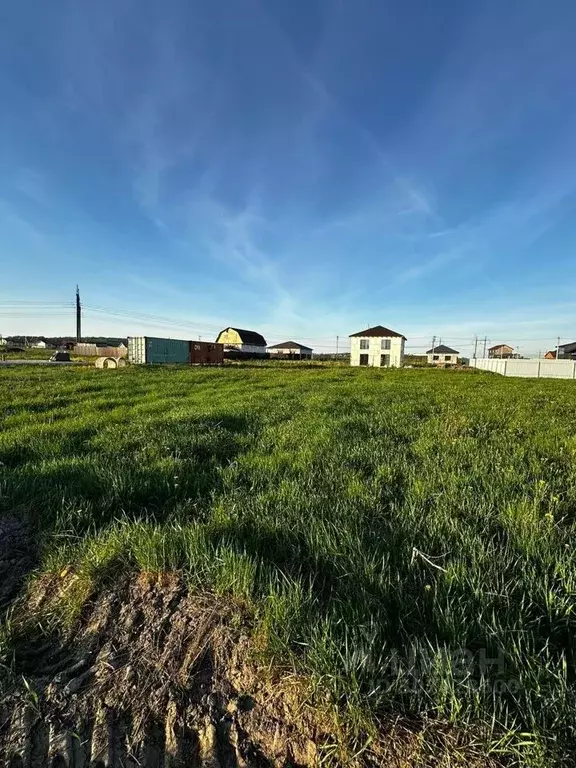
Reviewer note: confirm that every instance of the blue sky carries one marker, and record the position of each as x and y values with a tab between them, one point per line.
302	168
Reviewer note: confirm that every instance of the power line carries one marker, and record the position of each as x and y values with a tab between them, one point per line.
184	323
46	309
34	316
39	305
156	318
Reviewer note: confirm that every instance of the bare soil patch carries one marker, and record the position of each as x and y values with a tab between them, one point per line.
152	676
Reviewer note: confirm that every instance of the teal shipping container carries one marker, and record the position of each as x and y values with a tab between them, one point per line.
148	349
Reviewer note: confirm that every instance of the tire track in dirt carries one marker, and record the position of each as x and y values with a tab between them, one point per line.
108	744
152	677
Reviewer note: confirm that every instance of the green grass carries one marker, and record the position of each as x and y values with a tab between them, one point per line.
28	354
406	538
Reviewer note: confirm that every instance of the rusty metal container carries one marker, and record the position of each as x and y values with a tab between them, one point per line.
206	353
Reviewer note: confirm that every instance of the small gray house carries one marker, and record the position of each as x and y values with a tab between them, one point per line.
567	351
290	350
442	355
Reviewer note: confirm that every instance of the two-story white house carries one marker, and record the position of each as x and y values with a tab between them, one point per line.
442	355
378	347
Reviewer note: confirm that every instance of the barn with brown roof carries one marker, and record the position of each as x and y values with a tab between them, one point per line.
241	340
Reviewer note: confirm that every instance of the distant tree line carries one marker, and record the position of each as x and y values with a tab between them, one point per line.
59	341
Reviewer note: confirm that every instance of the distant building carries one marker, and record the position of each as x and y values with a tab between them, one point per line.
442	355
550	355
567	351
38	344
501	351
378	347
241	340
2	341
290	350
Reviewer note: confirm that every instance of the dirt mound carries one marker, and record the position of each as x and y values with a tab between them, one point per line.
153	676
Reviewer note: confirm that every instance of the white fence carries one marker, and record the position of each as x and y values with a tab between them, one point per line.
535	369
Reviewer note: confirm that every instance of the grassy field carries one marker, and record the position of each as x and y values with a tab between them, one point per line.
405	538
27	354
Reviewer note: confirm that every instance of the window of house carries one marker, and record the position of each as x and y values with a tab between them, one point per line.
436	357
363	359
385	344
385	361
447	358
364	343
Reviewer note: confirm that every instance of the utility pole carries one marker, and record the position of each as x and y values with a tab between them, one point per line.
78	317
433	346
337	343
475	346
485	342
558	348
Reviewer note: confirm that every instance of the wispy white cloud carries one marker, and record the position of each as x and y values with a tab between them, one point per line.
437	262
516	224
311	186
32	184
12	219
147	125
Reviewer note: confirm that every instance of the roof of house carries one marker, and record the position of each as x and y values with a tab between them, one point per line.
568	348
377	330
247	337
290	345
550	353
443	349
498	346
